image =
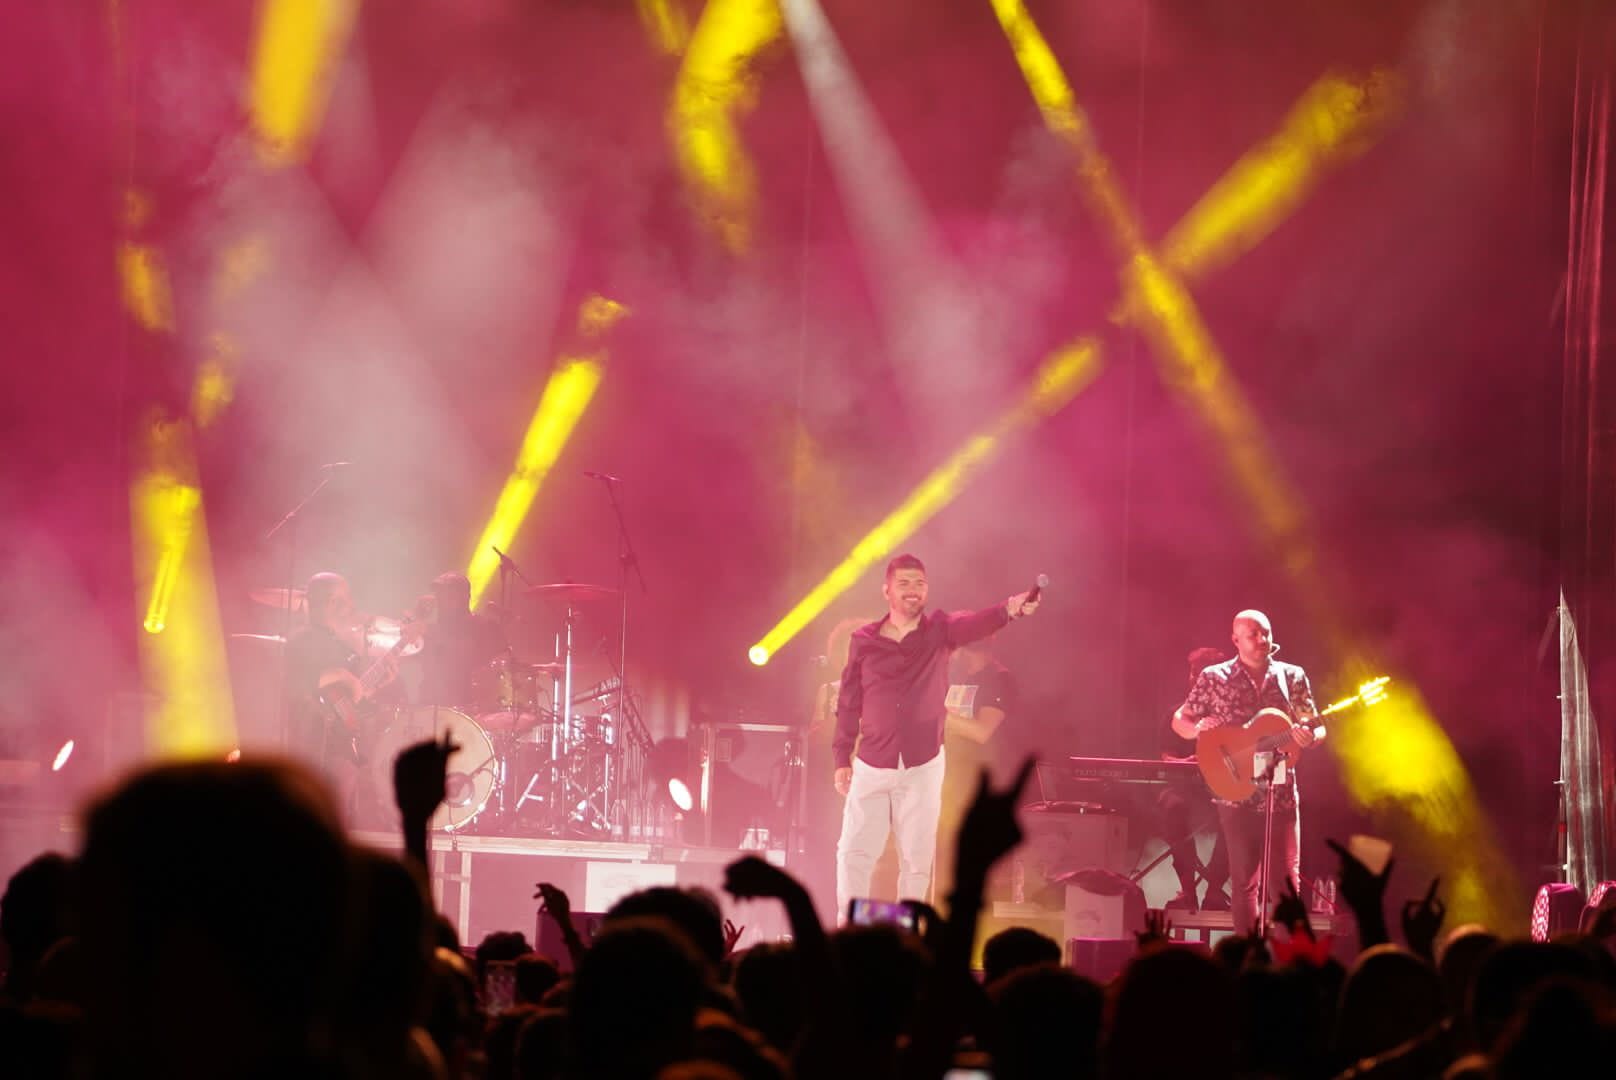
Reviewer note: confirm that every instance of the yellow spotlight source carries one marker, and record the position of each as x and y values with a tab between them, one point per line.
565	398
294	59
1057	382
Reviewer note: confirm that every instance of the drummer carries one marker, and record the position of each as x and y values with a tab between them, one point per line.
459	643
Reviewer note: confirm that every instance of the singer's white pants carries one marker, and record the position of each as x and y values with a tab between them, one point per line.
879	802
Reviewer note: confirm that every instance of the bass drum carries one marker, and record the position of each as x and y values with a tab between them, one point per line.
471	771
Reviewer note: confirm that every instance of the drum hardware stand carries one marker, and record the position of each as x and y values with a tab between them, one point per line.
628	717
507	567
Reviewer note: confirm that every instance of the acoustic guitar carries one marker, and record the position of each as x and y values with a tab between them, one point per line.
1226	754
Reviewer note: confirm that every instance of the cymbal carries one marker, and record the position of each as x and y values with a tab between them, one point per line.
517	665
570	591
275	597
266	638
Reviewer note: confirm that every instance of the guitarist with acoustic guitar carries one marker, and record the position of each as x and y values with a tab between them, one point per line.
1244	713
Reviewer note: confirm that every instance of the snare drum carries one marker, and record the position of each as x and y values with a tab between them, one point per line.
471	771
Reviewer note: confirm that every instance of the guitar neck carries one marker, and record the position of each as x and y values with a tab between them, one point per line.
373	674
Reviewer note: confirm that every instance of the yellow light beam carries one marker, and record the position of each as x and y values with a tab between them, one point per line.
295	55
1335	120
565	398
665	24
713	87
192	712
1063	374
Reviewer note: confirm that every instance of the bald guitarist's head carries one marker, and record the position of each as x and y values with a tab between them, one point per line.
329	601
1253	638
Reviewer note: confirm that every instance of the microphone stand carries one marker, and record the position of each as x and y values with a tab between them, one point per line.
1266	780
290	519
626	557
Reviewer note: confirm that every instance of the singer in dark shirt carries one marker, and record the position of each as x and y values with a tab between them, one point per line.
889	729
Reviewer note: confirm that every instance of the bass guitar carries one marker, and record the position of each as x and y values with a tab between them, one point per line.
341	692
1227	755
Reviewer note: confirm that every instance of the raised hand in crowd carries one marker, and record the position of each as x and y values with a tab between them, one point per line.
990	829
1365	893
752	878
418	787
1422	919
988	832
1157	929
732	934
554	902
1291	911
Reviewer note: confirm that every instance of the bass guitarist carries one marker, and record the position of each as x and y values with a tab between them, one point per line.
1233	692
324	664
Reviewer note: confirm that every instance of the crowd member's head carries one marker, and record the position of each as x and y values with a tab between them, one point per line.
1197	992
693	911
1047	1023
768	982
499	945
213	902
541	1047
1014	948
1390	996
536	975
634	999
33	917
882	970
1506	978
1285	1015
1457	962
1565	1026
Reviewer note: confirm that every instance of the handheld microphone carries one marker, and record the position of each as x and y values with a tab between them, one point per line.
608	477
1038	587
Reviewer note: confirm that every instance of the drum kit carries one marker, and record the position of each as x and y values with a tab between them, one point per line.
537	754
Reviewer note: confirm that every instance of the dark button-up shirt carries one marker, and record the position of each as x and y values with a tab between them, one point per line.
1227	693
892	692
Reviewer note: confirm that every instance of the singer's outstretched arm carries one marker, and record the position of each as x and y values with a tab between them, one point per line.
964	627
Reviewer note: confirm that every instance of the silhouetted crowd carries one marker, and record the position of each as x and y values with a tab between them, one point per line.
218	923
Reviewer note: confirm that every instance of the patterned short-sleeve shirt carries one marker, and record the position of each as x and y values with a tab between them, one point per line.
1227	693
